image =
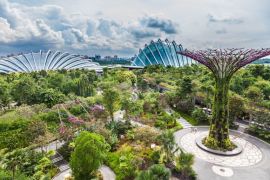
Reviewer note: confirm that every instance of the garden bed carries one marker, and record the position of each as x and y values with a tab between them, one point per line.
237	150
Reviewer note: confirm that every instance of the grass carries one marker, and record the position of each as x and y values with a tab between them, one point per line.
177	127
188	118
10	115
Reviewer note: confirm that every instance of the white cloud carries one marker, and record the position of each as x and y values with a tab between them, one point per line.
111	27
26	28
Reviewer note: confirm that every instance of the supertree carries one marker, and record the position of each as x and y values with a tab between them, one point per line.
223	63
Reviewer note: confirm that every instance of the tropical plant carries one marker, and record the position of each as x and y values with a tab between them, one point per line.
184	164
155	172
123	162
11	161
168	146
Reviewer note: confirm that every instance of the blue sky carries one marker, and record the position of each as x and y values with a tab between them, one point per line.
121	27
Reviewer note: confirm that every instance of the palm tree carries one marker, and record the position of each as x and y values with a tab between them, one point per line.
184	164
155	172
11	161
168	147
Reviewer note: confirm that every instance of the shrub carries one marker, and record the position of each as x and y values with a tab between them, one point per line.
7	175
123	163
118	127
76	110
155	156
155	172
184	164
66	150
185	106
110	137
51	116
199	116
165	120
14	139
146	134
28	162
9	125
260	133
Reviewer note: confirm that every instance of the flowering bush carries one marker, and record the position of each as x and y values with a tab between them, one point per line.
75	120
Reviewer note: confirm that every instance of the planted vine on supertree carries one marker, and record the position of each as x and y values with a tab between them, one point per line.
223	63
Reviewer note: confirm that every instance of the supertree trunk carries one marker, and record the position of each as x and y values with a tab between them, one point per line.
219	126
223	63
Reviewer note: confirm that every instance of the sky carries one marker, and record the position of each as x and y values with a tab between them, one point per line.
121	27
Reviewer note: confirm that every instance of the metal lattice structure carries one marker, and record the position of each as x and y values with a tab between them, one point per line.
162	52
223	63
50	60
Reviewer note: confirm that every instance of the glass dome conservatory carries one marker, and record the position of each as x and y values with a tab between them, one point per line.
50	60
161	52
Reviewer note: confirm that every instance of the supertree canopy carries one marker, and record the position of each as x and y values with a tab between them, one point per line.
223	63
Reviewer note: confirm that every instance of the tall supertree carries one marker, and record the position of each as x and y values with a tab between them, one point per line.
223	63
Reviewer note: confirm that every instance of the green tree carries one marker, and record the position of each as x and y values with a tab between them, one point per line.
256	70
5	97
265	88
124	76
111	100
185	87
50	97
254	94
236	106
12	160
90	151
24	90
86	85
126	105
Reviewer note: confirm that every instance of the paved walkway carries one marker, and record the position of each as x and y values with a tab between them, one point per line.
182	121
242	126
250	155
107	173
62	175
243	166
51	146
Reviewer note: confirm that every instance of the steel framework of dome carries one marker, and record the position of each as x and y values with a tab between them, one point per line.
162	52
50	60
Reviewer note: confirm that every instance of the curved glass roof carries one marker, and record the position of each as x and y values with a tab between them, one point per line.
50	60
162	52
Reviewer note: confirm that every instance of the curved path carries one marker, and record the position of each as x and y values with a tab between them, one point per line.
105	171
216	170
181	120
